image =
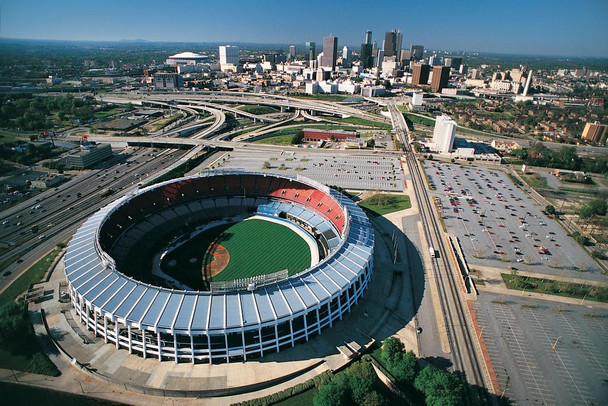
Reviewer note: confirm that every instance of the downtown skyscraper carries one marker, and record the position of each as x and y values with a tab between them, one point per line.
367	58
330	52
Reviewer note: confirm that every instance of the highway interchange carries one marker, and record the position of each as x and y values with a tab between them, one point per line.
62	209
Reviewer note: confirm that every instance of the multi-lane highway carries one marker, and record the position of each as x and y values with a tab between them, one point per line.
36	225
462	340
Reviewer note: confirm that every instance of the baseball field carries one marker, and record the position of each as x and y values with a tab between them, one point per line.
238	250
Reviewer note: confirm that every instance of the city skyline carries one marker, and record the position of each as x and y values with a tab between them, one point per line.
558	28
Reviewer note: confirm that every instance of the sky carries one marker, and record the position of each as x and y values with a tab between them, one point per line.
533	27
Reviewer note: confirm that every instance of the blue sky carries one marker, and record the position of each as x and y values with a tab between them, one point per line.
542	27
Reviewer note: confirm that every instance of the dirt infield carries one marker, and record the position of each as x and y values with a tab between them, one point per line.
220	260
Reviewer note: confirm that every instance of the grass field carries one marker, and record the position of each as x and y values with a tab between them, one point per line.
382	204
32	275
284	139
558	288
256	247
362	122
259	109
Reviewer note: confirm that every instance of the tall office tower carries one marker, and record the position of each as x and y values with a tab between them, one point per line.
367	59
229	54
420	76
346	56
417	51
310	48
398	41
441	75
330	52
390	43
375	48
444	133
292	52
368	37
380	59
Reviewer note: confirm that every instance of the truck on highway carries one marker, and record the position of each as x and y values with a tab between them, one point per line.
432	252
107	192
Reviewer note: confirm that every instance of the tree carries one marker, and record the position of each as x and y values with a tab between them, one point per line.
266	165
361	380
374	399
550	209
297	137
586	212
392	348
13	324
401	364
598	207
406	368
440	388
334	393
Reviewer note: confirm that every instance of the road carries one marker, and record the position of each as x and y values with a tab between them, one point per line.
56	213
462	339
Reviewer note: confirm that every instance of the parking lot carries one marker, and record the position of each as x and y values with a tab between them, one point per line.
349	172
499	226
545	352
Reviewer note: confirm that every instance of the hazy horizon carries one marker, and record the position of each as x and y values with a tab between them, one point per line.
557	28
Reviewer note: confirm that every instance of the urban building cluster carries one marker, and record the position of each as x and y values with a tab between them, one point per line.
511	100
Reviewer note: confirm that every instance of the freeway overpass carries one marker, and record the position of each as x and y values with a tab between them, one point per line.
282	102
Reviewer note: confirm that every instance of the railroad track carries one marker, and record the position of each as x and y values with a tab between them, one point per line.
461	338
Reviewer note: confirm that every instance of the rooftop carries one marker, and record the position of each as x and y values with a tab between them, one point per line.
188	55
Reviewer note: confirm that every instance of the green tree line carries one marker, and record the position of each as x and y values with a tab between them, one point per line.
30	113
564	158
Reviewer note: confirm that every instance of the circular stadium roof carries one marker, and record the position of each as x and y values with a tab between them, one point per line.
97	284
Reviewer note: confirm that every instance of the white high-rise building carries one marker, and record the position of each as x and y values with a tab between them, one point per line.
346	56
444	133
229	54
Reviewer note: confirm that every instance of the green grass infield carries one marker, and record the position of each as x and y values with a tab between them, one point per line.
256	247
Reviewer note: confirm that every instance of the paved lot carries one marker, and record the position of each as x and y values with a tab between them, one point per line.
350	172
520	334
500	226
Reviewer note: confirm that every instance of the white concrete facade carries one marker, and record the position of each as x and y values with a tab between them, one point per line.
444	133
229	54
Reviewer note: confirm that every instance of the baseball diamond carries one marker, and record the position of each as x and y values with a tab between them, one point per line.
115	291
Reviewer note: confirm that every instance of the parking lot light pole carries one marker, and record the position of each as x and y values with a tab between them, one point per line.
481	332
555	344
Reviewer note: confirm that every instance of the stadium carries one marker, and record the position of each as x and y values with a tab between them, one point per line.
141	277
